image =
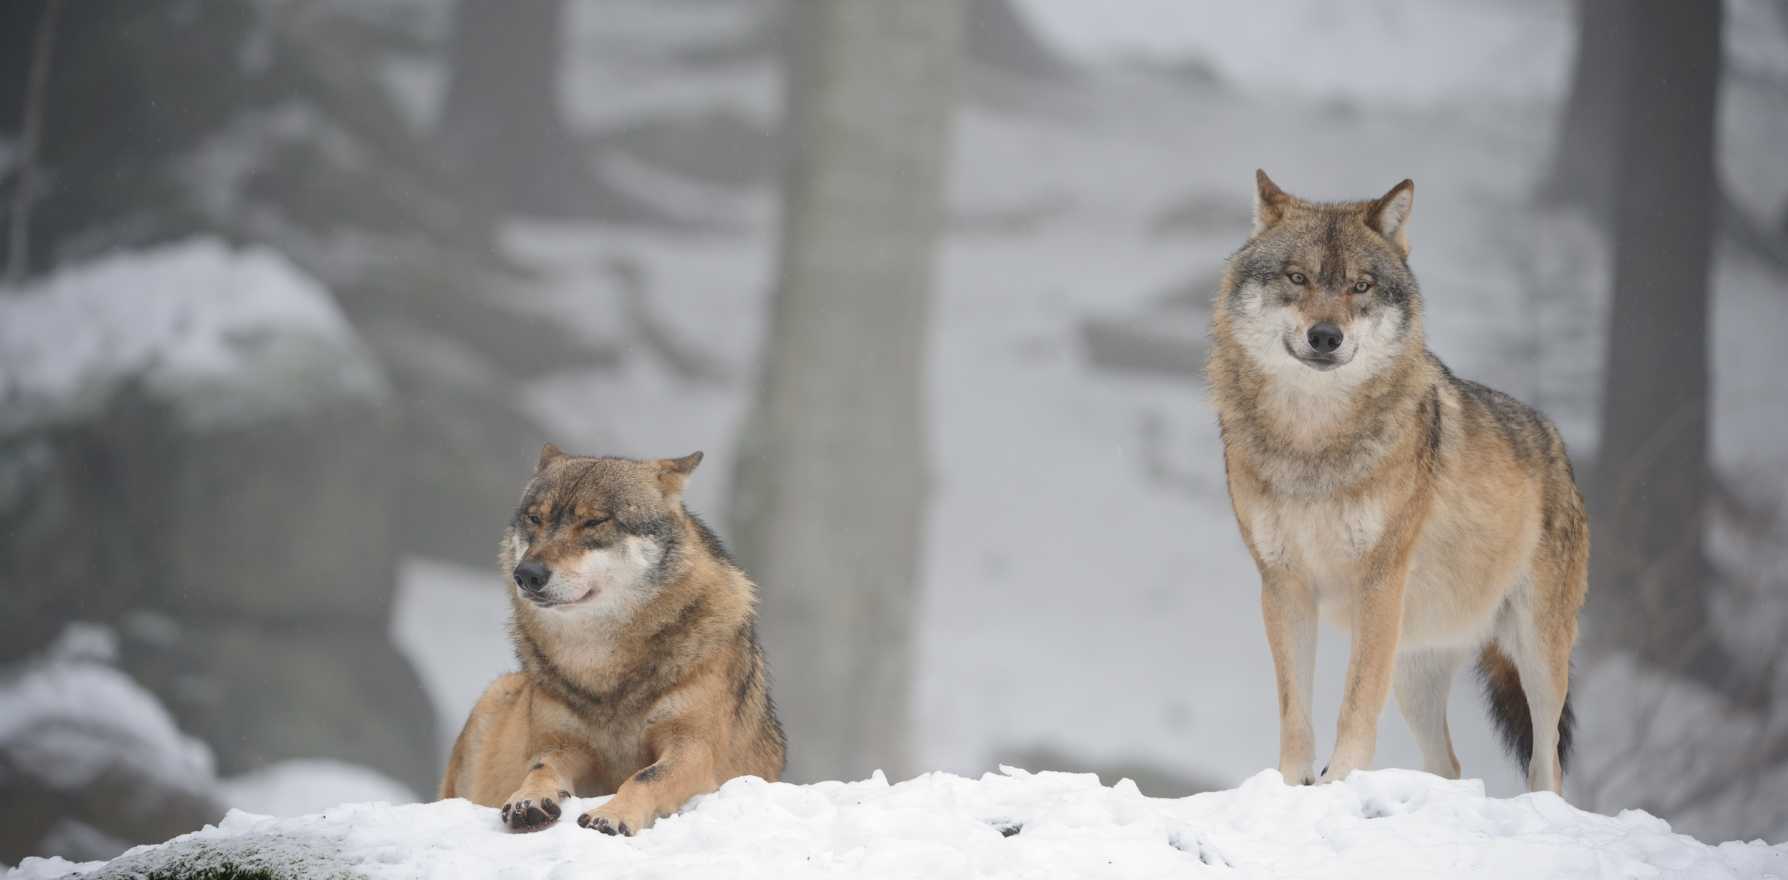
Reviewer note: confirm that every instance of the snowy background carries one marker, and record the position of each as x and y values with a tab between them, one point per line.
282	365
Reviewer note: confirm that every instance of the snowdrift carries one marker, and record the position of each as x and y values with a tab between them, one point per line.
1383	824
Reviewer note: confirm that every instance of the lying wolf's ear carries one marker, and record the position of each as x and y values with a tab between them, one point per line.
674	472
1270	202
548	454
1390	215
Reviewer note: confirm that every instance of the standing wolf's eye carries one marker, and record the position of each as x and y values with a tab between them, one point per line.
1362	286
1298	278
533	519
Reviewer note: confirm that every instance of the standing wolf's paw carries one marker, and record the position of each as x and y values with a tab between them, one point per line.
1347	758
1336	771
1297	774
531	814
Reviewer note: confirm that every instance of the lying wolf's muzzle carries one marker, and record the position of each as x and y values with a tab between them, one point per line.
531	575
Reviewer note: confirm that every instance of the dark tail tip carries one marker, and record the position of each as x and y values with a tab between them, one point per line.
1508	708
1567	728
1508	702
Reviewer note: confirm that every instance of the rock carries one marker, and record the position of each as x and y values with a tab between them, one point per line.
196	444
191	429
1169	336
1154	342
265	693
90	763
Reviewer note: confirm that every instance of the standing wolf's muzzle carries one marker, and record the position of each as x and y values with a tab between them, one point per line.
1324	338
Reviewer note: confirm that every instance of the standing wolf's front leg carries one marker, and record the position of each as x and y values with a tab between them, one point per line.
552	777
683	768
1377	625
1290	612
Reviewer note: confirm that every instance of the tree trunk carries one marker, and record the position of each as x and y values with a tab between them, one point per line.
830	493
1583	161
501	123
1650	576
18	252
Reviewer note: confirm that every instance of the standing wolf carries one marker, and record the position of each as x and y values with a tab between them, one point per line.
641	673
1432	517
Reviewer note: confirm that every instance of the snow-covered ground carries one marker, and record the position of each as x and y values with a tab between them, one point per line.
1085	591
1381	825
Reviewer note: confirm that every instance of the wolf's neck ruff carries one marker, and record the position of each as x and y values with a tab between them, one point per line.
1322	435
612	663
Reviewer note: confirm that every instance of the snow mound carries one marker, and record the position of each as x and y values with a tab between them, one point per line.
229	336
310	785
1384	824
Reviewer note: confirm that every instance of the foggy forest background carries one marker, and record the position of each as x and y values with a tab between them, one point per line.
294	290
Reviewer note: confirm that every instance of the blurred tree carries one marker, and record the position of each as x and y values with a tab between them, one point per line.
1583	161
998	35
502	124
1650	575
830	495
30	129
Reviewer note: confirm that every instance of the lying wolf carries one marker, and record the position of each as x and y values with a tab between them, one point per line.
641	674
1432	517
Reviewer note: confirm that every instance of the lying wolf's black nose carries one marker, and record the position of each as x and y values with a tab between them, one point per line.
532	576
1325	338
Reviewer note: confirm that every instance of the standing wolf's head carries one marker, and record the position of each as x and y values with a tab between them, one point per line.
1321	295
596	535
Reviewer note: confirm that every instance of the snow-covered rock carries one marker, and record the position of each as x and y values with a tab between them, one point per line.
78	733
148	397
197	449
229	337
1384	824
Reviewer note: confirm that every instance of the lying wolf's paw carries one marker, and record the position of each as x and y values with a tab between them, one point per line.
611	820
530	814
604	824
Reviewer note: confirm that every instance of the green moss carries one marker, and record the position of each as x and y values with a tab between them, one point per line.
216	872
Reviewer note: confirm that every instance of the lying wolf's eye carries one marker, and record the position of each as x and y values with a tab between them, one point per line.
533	519
1361	286
593	522
1298	278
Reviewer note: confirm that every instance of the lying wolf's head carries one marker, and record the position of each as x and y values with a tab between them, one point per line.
596	535
1324	288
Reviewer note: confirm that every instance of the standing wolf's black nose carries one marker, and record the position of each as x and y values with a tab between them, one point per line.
1325	338
532	575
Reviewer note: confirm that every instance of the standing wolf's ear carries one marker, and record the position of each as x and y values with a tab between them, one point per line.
674	472
548	454
1390	215
1270	202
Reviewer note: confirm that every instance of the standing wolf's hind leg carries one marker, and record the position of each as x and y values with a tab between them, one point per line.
1422	681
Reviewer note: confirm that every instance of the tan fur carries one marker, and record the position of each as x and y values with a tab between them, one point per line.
1428	516
651	688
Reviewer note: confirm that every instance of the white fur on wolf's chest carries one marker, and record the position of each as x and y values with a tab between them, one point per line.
1308	534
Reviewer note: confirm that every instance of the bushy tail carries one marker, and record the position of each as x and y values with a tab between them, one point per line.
1508	707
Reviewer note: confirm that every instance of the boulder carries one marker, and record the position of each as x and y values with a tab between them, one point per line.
89	762
264	693
195	443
